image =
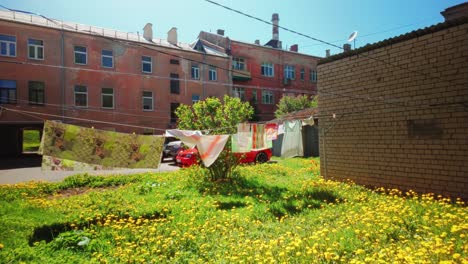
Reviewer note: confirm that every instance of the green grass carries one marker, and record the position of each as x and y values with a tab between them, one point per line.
280	212
31	140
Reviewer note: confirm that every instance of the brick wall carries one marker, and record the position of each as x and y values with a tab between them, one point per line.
403	123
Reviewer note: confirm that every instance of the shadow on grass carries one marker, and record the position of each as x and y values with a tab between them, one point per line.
47	233
280	200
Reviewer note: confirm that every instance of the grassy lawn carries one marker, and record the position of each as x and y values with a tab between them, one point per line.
31	140
272	213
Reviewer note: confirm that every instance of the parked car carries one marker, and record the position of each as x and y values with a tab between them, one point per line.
189	157
171	147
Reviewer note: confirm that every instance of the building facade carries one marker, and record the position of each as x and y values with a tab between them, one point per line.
394	113
102	78
262	74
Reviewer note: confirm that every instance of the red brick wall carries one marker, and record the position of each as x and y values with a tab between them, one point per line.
403	125
255	55
126	78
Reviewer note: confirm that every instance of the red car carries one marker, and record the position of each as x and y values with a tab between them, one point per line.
189	157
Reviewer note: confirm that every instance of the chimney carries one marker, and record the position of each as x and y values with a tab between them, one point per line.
294	48
455	12
346	47
172	36
327	53
148	32
257	41
220	32
275	20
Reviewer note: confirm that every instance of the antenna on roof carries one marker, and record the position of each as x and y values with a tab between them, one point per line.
353	37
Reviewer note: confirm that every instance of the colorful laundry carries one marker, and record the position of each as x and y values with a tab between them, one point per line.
271	131
100	148
242	141
187	134
57	164
259	140
209	147
280	129
292	140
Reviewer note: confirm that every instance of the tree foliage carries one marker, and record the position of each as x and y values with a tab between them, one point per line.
219	118
289	104
214	115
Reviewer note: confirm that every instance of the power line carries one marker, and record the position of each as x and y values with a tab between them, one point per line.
172	55
79	119
328	43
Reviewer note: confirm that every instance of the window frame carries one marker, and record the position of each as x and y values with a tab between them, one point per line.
174	84
107	94
238	63
150	63
103	56
75	92
172	115
195	70
75	53
266	94
30	94
212	74
143	97
313	76
8	44
9	91
239	92
195	100
289	72
36	47
267	69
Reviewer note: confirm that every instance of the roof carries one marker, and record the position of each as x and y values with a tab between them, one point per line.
220	40
92	30
297	115
397	39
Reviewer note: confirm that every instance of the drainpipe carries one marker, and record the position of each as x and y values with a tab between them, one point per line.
202	77
62	74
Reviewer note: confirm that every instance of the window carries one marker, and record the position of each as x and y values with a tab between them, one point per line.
238	64
107	98
175	83
8	45
146	64
81	96
267	97
35	49
107	58
313	76
212	74
175	62
268	69
195	72
254	97
173	115
302	74
81	56
36	93
147	101
7	92
239	93
195	98
289	72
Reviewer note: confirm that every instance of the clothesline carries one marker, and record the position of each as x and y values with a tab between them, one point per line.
32	113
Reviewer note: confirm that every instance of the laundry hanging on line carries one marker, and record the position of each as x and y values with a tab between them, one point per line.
292	140
209	146
98	148
271	130
242	141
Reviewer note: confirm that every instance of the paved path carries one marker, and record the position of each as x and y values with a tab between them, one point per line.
28	168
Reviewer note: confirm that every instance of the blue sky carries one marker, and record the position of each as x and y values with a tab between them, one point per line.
330	20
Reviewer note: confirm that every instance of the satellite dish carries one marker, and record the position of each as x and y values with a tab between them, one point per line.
353	36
